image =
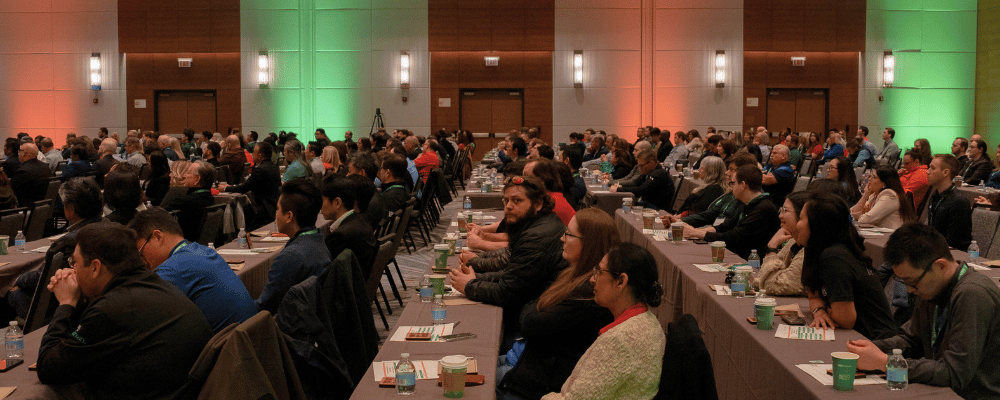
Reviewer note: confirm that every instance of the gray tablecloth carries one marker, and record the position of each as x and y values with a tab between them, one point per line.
19	263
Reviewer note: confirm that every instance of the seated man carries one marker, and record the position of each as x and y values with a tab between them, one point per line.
535	253
913	177
724	207
779	176
233	156
548	172
948	211
657	187
198	180
953	337
264	181
573	157
755	225
31	180
196	270
137	337
106	159
394	191
304	255
364	166
349	230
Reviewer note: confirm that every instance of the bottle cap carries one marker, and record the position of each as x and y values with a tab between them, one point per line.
897	351
404	355
13	323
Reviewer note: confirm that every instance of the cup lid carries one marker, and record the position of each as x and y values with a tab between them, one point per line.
441	247
766	301
844	355
455	361
679	224
438	276
744	268
718	243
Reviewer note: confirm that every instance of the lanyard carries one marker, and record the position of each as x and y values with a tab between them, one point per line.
199	191
392	187
936	327
178	247
933	210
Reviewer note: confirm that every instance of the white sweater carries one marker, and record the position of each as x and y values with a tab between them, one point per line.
623	363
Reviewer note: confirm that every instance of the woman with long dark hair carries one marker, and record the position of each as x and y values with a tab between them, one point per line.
840	169
564	321
923	147
842	287
158	183
884	203
122	193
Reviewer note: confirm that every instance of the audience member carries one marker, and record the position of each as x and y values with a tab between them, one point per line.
134	150
781	269
962	352
305	254
842	287
679	154
977	168
31	180
312	154
158	182
349	230
195	270
779	175
724	207
12	161
122	194
548	173
923	147
7	198
198	180
264	181
427	161
657	187
636	172
105	160
79	164
959	148
890	150
839	169
626	359
234	156
135	326
948	211
297	165
395	192
884	203
52	156
713	174
913	177
596	149
756	223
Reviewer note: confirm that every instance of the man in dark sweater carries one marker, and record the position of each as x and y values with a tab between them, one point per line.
953	338
948	211
534	232
105	159
136	325
264	181
349	230
755	225
394	190
657	187
31	180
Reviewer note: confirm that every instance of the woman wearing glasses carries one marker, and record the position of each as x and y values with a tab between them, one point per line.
564	321
843	289
626	359
781	271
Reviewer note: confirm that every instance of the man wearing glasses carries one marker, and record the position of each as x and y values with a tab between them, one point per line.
656	190
953	338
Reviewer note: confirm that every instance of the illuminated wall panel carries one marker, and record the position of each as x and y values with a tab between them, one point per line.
987	71
933	96
45	47
334	62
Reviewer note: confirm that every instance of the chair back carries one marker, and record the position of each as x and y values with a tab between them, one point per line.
42	306
806	167
984	228
859	173
211	222
681	194
801	183
12	221
35	227
381	259
53	191
144	172
401	226
687	365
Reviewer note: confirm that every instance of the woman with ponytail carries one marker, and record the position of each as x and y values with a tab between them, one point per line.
626	359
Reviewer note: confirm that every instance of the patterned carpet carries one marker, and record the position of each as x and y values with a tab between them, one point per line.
412	266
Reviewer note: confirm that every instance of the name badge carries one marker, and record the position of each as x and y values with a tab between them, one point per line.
719	221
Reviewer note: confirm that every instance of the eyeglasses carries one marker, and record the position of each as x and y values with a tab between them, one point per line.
566	233
598	270
150	237
919	278
783	210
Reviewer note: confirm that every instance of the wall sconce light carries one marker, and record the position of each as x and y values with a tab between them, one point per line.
263	69
888	68
404	69
95	71
578	68
720	68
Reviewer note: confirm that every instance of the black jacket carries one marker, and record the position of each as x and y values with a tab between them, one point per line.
701	200
535	260
976	171
157	188
394	196
264	181
555	339
951	214
751	230
192	208
31	181
356	234
657	189
102	167
138	339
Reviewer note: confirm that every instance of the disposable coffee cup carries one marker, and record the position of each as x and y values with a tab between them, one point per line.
845	365
4	239
441	259
718	251
764	311
437	281
648	219
677	230
451	241
461	221
453	369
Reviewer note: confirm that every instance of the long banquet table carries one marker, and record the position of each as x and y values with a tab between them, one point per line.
748	363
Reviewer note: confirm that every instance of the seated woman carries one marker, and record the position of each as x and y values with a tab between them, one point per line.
331	161
781	271
564	321
79	165
626	359
713	173
158	183
842	287
122	193
839	169
623	163
884	203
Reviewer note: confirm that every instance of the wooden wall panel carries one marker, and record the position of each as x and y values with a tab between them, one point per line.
503	25
795	25
193	26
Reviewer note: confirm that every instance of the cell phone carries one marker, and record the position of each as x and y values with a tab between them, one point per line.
793	319
699	241
234	261
752	320
458	336
8	363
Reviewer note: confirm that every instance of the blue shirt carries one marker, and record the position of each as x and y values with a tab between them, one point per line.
207	280
305	255
833	152
295	170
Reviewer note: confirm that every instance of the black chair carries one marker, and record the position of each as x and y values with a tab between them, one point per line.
375	277
34	228
61	165
42	305
211	222
402	230
12	221
687	365
223	174
53	191
420	215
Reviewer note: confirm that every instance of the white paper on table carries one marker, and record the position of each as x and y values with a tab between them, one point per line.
978	267
712	267
436	332
869	233
454	223
424	369
489	217
661	232
660	238
804	333
722	290
39	250
275	239
236	252
602	191
818	371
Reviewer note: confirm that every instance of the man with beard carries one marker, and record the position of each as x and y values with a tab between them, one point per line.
534	233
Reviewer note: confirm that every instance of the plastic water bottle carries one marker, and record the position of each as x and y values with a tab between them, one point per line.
438	312
426	290
896	371
406	376
627	205
241	239
20	242
982	186
467	204
14	341
973	251
754	262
